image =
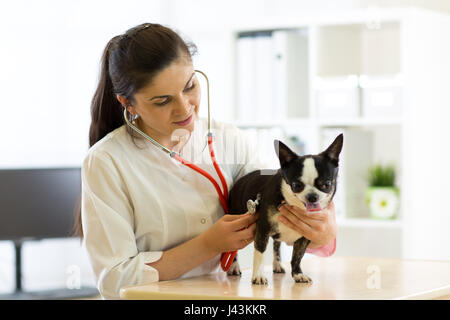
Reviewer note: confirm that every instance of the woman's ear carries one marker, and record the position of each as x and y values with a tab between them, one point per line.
123	101
126	104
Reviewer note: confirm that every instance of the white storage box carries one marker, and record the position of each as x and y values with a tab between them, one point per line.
337	98
381	97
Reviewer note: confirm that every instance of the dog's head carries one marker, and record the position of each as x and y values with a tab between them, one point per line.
309	179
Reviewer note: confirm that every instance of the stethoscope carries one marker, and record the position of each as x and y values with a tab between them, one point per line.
227	257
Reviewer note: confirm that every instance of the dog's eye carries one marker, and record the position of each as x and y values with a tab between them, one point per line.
297	186
326	184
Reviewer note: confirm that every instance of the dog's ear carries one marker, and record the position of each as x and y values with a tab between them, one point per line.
283	152
334	149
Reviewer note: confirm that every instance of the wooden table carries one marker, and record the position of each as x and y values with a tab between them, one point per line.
333	278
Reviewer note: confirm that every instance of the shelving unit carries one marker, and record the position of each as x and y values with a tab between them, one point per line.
369	223
382	82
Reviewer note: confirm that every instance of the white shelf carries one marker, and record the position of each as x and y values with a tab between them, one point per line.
301	122
257	124
368	223
339	45
358	122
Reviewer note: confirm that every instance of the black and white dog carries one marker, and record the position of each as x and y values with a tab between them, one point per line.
308	181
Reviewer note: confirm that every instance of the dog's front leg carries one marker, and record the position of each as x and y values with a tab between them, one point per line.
261	240
300	246
235	270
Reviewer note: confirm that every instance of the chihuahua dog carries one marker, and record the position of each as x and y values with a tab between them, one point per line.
308	181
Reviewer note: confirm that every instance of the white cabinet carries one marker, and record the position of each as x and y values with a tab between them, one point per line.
337	98
386	87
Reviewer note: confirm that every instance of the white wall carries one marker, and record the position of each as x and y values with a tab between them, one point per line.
49	62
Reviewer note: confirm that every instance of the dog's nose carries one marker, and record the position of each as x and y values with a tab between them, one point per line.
312	197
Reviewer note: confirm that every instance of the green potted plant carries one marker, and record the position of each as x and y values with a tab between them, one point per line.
382	195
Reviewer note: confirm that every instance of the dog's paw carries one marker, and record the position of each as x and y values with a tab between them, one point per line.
259	279
301	278
234	269
277	268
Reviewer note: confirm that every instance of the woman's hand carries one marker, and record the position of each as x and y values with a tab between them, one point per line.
226	234
320	227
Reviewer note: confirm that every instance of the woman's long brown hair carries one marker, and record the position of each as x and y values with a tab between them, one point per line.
129	62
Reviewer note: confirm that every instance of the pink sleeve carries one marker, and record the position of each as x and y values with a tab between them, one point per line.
324	251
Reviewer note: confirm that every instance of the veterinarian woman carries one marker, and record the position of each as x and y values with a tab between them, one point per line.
146	217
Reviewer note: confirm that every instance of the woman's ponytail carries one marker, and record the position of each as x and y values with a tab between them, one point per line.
106	116
106	110
129	62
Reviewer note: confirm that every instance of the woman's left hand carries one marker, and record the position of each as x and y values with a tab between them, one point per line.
320	227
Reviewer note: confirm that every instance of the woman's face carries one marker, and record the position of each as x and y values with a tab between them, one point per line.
171	98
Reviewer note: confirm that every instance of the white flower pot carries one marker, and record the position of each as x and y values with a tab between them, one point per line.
383	202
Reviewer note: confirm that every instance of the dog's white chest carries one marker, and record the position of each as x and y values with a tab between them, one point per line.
286	234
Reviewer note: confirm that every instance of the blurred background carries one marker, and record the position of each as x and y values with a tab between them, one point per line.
300	71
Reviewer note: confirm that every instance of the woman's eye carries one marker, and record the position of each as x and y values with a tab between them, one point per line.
167	100
191	87
162	103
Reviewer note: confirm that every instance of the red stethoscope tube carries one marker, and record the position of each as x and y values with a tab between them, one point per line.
223	196
226	257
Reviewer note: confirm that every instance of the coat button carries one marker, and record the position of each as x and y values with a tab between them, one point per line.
203	221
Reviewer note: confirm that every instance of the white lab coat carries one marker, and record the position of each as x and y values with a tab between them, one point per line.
139	202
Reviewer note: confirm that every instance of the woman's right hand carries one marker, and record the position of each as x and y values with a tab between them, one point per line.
230	232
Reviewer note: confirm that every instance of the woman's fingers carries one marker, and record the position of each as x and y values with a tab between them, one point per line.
298	215
318	227
296	224
245	237
245	242
247	233
244	221
243	230
305	215
233	217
